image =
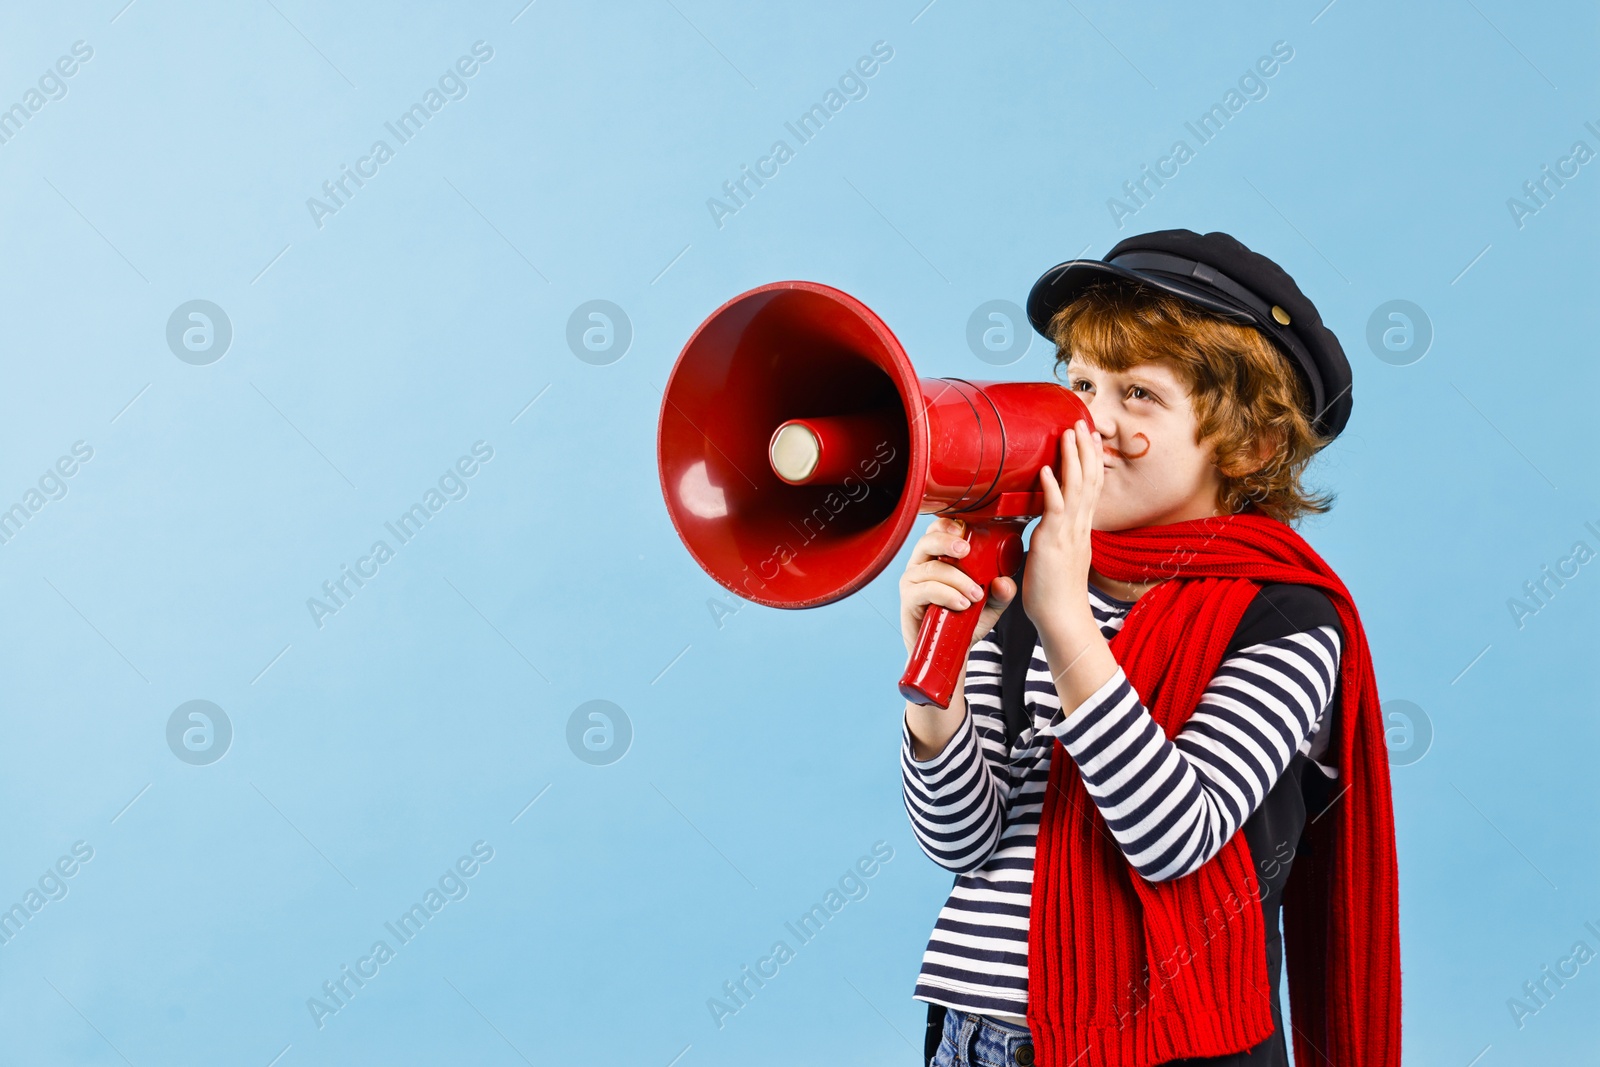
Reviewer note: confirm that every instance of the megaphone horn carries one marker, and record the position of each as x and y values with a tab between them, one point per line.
796	447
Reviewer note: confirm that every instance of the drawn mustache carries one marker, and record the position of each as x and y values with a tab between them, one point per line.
1130	455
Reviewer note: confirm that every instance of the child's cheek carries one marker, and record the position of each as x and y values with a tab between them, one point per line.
1141	444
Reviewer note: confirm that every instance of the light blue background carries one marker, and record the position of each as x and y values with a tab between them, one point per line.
428	312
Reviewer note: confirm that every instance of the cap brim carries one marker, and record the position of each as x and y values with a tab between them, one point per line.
1064	282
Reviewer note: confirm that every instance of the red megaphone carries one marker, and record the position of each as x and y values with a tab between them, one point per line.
797	445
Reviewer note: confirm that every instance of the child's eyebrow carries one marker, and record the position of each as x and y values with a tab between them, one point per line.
1134	376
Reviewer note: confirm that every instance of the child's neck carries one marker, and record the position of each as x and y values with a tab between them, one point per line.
1120	590
1132	592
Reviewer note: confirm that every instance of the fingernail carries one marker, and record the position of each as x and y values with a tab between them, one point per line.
975	593
962	601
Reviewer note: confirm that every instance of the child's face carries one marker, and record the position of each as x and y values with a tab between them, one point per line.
1155	470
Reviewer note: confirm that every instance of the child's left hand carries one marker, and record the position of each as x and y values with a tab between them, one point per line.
1055	582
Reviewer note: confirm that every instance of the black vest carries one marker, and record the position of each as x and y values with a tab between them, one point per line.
1272	832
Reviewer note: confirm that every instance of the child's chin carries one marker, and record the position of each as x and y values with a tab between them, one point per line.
1111	516
1111	522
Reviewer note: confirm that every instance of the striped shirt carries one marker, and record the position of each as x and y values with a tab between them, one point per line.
1170	804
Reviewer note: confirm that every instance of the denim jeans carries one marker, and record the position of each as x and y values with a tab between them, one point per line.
979	1041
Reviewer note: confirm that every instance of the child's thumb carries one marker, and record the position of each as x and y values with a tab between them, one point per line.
1001	590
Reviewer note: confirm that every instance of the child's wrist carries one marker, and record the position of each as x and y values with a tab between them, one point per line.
931	727
1071	626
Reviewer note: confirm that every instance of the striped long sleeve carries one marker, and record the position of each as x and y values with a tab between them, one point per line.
1172	804
957	799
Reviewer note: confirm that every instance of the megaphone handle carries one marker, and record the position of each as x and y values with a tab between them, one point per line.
946	636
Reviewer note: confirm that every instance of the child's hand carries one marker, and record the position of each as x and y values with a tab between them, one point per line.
928	580
1057	576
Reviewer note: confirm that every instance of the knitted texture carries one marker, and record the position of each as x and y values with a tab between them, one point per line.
1128	973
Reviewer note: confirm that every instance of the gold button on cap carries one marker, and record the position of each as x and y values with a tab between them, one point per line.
1281	315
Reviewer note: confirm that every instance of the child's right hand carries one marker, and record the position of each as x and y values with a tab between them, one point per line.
928	580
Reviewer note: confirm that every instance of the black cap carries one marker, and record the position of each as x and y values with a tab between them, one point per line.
1220	274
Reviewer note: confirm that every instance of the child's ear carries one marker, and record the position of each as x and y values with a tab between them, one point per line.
1265	446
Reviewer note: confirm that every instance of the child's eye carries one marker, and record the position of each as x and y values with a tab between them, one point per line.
1082	381
1140	389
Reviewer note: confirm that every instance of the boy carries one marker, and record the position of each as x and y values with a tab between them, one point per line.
1124	845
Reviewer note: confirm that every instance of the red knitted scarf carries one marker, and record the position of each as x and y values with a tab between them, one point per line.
1125	973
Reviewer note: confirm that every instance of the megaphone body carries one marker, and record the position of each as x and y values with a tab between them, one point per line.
796	447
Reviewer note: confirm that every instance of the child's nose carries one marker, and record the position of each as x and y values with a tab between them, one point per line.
1101	418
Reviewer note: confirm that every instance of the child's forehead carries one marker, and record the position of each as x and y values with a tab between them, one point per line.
1131	365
